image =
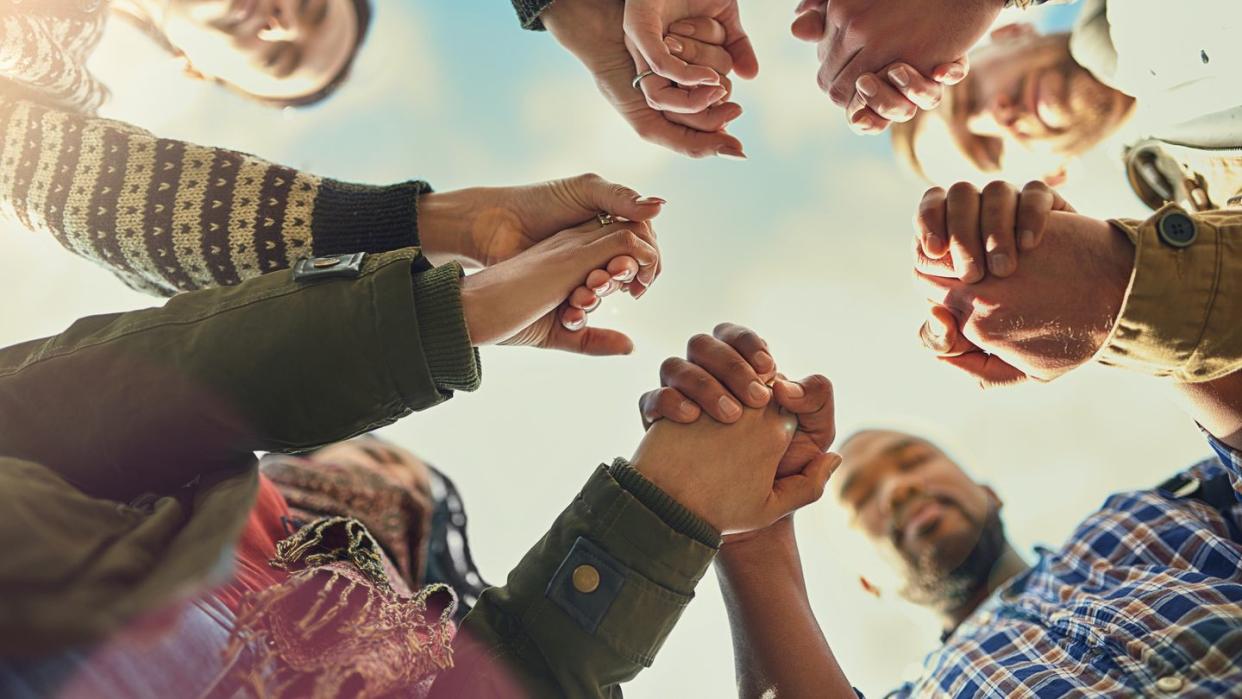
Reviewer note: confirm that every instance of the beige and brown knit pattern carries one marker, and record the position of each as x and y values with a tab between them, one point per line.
163	215
168	216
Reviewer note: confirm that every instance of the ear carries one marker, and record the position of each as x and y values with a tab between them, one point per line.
1014	32
992	496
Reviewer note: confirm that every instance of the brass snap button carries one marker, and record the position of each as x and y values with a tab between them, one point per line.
586	579
325	262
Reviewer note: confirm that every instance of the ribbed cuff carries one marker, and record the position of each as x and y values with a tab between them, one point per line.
528	12
453	361
674	514
366	218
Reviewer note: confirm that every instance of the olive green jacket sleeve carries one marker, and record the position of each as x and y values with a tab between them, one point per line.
129	403
167	216
1182	314
590	605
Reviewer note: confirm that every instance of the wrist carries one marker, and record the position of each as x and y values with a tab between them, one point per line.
443	229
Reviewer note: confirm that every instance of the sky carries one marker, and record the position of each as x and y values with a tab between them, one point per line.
807	242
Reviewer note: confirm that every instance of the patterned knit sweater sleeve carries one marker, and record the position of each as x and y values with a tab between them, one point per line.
528	12
168	216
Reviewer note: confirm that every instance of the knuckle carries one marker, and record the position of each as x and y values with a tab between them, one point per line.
669	367
997	188
962	189
1036	186
699	343
589	178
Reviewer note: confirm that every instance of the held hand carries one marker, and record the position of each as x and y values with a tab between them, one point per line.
729	369
1048	318
727	474
864	36
897	94
483	226
515	302
648	23
593	31
982	232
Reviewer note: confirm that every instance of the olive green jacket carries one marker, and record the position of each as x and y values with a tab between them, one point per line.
127	468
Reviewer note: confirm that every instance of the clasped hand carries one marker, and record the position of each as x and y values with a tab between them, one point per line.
731	438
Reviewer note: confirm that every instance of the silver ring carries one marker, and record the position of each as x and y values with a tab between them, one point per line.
640	77
605	219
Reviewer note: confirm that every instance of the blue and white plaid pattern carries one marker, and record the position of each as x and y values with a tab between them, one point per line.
1144	600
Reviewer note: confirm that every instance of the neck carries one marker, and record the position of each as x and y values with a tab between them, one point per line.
1007	566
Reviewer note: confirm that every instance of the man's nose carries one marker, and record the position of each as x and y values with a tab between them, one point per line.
897	490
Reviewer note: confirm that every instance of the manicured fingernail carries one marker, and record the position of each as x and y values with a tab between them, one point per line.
683	28
1000	263
575	324
674	44
899	76
729	407
935	243
794	389
867	85
731	153
624	277
650	200
764	361
686	409
717	95
954	74
758	392
1027	240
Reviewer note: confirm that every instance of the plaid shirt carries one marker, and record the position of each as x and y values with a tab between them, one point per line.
1145	599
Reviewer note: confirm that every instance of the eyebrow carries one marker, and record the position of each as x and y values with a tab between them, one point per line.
901	445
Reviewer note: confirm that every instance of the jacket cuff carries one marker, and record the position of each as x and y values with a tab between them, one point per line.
528	12
1182	313
352	218
663	505
451	358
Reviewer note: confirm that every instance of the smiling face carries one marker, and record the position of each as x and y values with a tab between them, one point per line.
1025	109
942	528
285	51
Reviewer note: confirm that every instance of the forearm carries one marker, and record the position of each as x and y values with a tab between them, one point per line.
554	631
168	216
777	643
134	402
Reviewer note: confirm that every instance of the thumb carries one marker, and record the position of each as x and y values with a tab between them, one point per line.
595	194
594	342
940	334
809	25
801	489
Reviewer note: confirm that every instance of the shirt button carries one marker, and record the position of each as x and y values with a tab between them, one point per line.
1170	684
1177	229
586	579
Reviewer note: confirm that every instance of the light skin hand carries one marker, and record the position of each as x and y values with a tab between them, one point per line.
863	36
516	302
981	233
648	22
897	93
482	226
592	30
1048	318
